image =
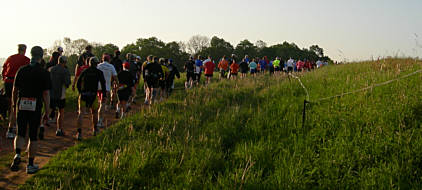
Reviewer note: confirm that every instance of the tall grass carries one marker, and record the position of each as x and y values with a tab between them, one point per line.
248	134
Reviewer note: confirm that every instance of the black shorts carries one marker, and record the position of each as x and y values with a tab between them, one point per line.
152	83
55	103
277	69
243	72
190	76
233	74
89	98
124	94
222	73
209	75
31	119
162	84
198	77
8	87
289	69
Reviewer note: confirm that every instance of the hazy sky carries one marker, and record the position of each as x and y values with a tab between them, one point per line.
358	28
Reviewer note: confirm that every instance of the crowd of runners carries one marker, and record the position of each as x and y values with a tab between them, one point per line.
36	90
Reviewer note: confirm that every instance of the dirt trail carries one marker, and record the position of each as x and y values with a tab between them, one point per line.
50	146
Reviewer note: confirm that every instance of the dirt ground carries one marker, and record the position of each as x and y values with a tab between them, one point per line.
50	146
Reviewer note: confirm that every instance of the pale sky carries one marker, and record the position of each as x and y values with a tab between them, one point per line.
358	28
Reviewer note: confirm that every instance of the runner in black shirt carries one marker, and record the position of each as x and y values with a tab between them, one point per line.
117	62
190	72
173	72
88	87
243	67
31	89
125	90
153	72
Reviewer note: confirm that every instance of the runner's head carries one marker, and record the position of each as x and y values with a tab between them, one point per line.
138	58
37	52
88	48
116	53
170	61
60	50
162	61
22	49
190	58
62	60
155	59
93	62
106	57
126	66
199	57
149	58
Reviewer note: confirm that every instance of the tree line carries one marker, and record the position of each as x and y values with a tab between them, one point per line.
197	45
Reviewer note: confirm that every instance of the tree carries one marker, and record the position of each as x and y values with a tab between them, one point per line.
99	49
319	51
219	48
197	43
245	47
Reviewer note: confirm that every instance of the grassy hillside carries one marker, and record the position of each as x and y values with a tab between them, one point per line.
248	134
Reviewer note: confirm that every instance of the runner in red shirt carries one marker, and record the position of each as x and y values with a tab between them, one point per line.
234	69
10	68
209	69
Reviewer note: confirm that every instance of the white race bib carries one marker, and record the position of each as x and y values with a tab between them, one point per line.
28	104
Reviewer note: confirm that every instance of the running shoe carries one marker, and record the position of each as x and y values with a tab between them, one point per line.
60	133
16	161
10	134
117	115
100	123
79	136
31	169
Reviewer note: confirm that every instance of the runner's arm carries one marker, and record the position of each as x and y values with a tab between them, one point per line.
76	77
46	98
78	81
103	86
67	79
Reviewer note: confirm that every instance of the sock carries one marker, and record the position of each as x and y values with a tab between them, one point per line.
18	151
31	161
118	108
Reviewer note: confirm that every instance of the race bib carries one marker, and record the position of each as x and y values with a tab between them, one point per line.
28	104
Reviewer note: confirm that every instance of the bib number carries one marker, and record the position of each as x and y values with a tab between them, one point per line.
28	104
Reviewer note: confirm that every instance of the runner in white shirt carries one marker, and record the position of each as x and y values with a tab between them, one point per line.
110	74
290	64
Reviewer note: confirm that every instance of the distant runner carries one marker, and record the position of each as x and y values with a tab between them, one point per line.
60	81
173	72
244	67
87	85
253	67
10	68
153	72
234	68
223	65
199	65
209	69
163	81
125	90
31	89
110	75
190	72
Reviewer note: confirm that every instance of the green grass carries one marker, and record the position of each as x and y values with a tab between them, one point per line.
248	134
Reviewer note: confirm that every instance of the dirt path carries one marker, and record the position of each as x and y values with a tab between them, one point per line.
48	147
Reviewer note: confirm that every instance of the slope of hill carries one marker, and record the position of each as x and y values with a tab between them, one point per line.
248	134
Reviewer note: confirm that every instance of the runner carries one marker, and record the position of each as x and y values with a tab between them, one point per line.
110	76
60	81
134	71
82	64
125	89
271	67
234	68
117	62
244	67
173	72
190	72
253	67
54	60
60	50
277	65
153	72
209	69
223	66
232	60
163	81
30	90
263	64
10	67
146	89
290	63
87	85
199	65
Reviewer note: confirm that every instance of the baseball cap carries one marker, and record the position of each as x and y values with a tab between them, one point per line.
126	65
